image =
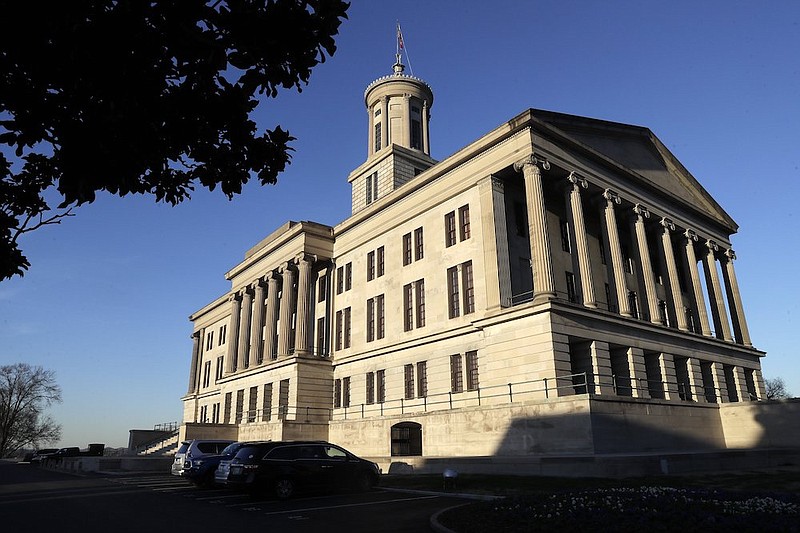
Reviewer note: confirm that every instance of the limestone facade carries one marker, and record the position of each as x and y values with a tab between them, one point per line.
505	301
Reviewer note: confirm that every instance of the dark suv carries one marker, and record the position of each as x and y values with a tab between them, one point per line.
284	468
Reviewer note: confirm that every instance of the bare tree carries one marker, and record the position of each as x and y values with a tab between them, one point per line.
776	388
25	391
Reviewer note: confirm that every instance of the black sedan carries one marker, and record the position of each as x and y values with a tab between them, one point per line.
285	468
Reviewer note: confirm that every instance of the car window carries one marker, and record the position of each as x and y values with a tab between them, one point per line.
249	452
285	452
335	453
183	448
231	449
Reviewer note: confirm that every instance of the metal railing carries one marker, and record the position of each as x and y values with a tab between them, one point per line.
166	426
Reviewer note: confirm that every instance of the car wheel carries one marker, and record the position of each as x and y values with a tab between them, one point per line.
284	488
364	482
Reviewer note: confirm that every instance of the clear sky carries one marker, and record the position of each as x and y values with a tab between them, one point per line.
106	302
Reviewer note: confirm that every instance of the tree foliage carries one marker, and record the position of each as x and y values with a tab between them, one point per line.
25	391
143	97
775	389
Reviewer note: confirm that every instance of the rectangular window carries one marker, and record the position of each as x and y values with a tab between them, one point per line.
370	385
320	336
419	249
227	414
450	229
215	413
409	382
420	294
368	182
346	392
472	370
210	340
571	295
266	403
521	219
371	320
223	331
456	374
381	321
416	134
469	288
337	393
322	288
239	406
347	327
203	414
380	262
422	379
340	280
339	324
408	309
463	222
370	266
406	249
348	276
565	243
283	399
252	404
220	367
380	379
377	136
453	308
207	374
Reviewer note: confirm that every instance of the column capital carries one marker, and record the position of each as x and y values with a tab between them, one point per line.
286	265
532	160
196	335
690	235
255	284
612	197
271	276
668	224
234	296
577	181
304	257
712	245
730	254
641	211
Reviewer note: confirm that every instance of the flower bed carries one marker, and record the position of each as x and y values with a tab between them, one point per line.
631	509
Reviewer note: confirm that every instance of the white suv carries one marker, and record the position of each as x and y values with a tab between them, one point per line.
192	449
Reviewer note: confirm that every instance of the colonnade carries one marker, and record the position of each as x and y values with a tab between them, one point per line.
612	207
269	304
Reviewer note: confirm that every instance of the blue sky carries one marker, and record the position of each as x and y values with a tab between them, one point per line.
107	300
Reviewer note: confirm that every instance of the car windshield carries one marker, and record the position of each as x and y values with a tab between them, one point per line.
232	448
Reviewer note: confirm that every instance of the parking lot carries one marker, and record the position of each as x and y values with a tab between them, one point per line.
36	500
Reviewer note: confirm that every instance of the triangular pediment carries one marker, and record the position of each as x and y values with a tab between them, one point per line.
637	149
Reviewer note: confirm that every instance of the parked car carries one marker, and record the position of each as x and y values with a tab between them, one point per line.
202	470
221	473
194	449
39	455
285	468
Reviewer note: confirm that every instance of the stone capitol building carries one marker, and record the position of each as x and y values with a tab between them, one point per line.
560	292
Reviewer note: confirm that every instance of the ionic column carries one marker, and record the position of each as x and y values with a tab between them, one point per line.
384	122
304	264
697	289
647	266
543	286
244	329
271	320
407	121
287	306
715	293
196	340
616	251
581	245
424	119
233	334
672	272
740	330
257	327
371	131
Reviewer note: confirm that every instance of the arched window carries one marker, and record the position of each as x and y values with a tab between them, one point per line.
406	439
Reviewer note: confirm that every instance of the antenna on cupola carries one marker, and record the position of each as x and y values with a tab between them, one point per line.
401	47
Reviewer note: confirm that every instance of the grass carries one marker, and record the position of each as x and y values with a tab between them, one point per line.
762	501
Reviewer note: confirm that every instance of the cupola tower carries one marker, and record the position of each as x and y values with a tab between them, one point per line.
398	110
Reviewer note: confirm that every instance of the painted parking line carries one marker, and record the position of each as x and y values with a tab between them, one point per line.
342	506
69	496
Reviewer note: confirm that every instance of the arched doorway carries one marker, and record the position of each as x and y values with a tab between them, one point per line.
406	439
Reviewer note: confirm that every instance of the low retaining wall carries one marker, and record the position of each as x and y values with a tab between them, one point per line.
110	464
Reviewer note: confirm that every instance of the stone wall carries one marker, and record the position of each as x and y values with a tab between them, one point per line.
767	424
